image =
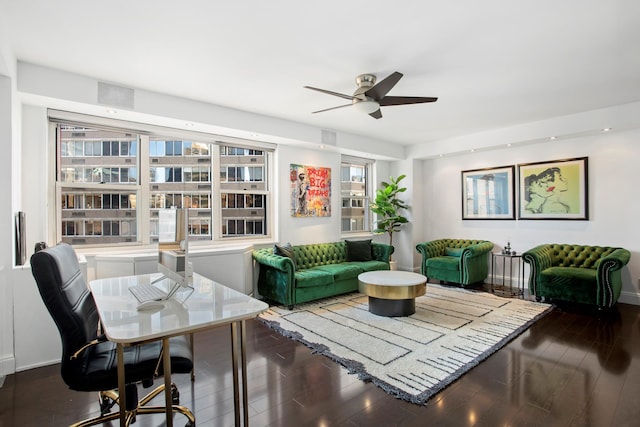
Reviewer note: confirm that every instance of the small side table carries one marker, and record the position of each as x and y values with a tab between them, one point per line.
507	288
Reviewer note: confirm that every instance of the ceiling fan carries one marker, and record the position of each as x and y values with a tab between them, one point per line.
369	96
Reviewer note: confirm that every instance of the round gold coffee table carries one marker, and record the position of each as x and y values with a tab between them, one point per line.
392	293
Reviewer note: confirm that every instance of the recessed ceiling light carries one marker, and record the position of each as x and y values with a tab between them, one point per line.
188	124
606	129
472	150
322	146
509	145
552	138
112	112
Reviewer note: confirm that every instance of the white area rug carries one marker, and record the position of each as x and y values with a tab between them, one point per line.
411	357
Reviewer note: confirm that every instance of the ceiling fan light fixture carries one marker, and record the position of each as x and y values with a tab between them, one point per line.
367	106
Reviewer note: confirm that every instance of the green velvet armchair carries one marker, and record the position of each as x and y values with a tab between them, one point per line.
574	273
464	262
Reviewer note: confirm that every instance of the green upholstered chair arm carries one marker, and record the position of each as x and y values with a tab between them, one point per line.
539	258
381	252
609	280
428	250
431	249
617	259
473	262
476	250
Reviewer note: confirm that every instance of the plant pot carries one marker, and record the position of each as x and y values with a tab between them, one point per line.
393	265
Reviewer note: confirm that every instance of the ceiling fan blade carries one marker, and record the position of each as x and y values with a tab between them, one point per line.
341	95
376	114
402	100
332	108
384	86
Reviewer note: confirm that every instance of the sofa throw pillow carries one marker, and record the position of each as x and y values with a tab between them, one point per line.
359	250
284	250
453	251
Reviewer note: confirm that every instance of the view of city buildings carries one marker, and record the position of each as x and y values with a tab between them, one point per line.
104	176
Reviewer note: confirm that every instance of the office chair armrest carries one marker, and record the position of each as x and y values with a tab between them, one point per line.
101	338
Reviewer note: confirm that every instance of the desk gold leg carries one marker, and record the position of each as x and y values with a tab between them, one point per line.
234	363
122	398
166	360
243	356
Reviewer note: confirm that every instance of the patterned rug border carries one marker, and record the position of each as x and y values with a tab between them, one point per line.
355	367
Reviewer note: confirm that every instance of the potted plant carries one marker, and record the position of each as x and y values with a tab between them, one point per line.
388	206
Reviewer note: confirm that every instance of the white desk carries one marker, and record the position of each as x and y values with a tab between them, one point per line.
210	305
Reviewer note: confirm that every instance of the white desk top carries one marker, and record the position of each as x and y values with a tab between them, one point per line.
210	304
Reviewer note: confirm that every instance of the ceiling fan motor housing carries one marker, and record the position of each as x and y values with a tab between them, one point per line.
360	101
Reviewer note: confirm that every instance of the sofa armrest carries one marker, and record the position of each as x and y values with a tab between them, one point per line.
267	258
473	262
381	252
276	277
431	249
479	249
539	258
609	280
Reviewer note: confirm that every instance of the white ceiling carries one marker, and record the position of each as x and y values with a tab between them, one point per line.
493	64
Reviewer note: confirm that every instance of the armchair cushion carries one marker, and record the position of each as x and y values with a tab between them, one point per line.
457	252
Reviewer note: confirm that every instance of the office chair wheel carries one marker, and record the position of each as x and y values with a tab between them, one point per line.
106	403
175	395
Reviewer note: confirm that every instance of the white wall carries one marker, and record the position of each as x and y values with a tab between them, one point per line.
614	203
8	133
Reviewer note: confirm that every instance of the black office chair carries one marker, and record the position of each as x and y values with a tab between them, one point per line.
89	360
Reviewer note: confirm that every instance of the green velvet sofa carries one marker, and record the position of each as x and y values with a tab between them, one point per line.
460	261
575	273
316	271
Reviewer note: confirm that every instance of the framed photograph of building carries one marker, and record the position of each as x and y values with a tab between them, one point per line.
310	191
555	189
488	193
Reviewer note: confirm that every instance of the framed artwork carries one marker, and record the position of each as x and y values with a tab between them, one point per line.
488	193
554	190
310	191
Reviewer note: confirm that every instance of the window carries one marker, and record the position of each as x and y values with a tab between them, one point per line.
102	173
355	192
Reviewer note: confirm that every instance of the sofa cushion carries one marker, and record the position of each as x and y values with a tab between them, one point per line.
372	265
310	277
341	271
569	283
453	251
444	263
359	250
284	250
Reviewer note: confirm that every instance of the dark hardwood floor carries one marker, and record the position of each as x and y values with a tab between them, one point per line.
569	369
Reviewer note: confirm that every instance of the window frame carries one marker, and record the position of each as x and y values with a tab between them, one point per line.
142	187
367	165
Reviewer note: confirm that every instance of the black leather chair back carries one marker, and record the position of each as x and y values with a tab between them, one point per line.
69	301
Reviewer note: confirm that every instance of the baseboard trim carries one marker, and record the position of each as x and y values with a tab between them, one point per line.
7	366
37	365
629	298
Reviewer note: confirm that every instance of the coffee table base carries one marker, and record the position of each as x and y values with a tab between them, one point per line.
392	307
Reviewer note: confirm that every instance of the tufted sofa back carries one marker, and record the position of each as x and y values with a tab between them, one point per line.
564	255
313	255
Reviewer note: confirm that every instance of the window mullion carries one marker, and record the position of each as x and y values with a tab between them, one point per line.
143	211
